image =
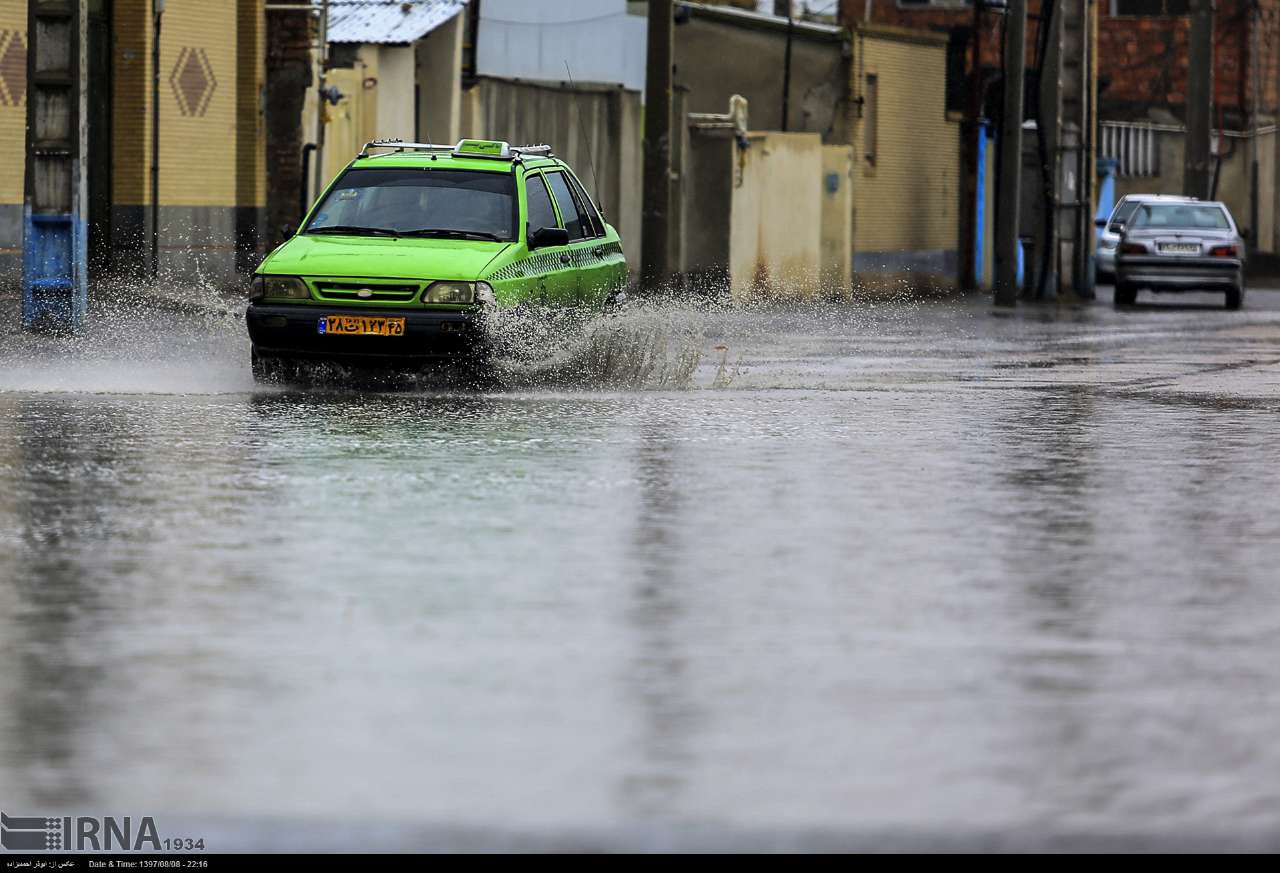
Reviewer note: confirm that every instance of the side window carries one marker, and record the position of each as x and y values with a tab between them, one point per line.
578	229
541	212
587	207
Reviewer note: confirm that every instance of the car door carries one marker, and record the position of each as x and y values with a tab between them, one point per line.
608	273
582	235
551	268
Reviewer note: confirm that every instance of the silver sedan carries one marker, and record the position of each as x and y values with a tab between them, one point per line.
1186	246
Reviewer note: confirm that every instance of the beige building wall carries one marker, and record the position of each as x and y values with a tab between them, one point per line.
775	236
907	151
837	219
396	93
438	58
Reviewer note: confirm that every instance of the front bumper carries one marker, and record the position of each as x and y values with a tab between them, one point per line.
291	330
1180	274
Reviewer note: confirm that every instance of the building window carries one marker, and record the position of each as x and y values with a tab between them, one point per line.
870	113
1150	8
1135	146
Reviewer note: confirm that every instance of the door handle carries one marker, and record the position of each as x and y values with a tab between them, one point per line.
564	258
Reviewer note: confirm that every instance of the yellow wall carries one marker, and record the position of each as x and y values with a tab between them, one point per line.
909	200
198	132
13	106
775	234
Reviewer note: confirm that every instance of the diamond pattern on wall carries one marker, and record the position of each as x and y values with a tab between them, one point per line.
13	68
193	81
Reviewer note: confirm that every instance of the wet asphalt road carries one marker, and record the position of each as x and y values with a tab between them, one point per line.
875	576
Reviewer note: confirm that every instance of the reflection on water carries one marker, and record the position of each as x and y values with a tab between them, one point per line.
907	573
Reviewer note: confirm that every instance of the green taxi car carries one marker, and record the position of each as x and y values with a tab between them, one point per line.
411	243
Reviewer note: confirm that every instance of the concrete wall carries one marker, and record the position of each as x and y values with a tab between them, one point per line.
719	53
906	199
396	92
439	71
592	125
13	123
837	218
775	235
1235	186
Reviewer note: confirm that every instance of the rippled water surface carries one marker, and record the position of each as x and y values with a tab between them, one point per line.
780	578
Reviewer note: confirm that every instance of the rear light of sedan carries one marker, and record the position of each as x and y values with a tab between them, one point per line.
1133	249
1230	251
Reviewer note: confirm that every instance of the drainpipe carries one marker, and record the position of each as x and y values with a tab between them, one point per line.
157	12
320	83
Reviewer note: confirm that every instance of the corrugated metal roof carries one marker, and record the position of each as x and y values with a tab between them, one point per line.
388	21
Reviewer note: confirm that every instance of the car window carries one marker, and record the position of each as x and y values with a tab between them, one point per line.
573	219
538	202
1123	213
587	206
408	199
1181	215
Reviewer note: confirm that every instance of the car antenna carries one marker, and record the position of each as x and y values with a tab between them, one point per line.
595	180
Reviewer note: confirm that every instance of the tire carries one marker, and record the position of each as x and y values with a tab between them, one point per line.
269	370
1235	298
1126	295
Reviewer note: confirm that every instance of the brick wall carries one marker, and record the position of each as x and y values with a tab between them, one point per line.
1143	61
288	67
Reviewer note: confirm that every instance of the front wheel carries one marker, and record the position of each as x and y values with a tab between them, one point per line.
1235	298
1126	295
269	370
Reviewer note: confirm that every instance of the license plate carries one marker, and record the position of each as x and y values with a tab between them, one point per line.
1180	248
361	325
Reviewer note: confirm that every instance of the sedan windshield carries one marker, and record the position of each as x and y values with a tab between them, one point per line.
450	204
1181	215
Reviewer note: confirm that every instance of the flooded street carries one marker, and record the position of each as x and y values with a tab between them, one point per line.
909	574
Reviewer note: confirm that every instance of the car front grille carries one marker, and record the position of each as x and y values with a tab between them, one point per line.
379	293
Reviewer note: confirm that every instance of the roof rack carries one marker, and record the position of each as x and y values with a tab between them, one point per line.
535	151
400	145
470	148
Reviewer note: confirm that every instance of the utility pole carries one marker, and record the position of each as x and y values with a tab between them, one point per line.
655	263
1066	101
157	12
55	210
1198	168
320	99
1010	171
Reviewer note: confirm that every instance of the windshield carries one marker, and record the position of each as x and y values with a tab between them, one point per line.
466	204
1181	215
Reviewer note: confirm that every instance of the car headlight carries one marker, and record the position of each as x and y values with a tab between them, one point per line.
280	288
450	292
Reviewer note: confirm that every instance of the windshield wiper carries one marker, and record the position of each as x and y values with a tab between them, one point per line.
354	230
450	233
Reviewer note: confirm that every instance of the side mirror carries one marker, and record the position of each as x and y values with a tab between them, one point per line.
547	237
1099	222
